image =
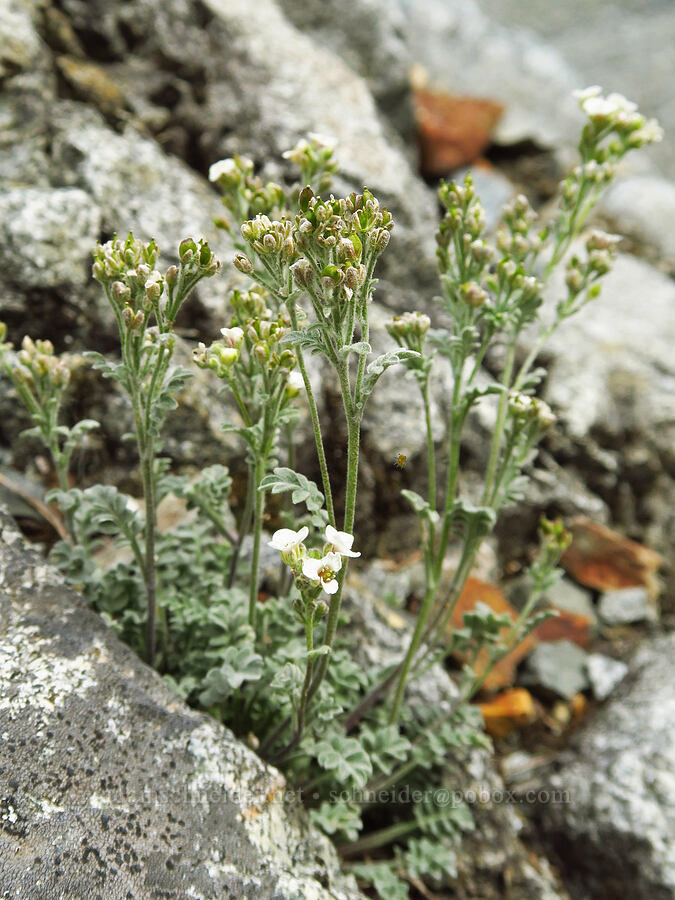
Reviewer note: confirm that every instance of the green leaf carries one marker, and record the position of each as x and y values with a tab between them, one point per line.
361	348
386	746
288	678
111	512
302	489
240	664
338	817
430	859
382	363
383	879
346	758
472	521
421	506
485	624
323	650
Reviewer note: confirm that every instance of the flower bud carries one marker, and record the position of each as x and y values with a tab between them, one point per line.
262	352
187	251
243	263
379	239
474	294
303	273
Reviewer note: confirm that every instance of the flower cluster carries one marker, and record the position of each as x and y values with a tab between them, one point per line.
314	156
134	287
320	570
581	274
244	194
409	330
615	113
35	366
516	235
528	410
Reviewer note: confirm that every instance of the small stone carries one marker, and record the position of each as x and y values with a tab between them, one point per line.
567	596
625	606
603	559
604	674
508	711
559	667
453	131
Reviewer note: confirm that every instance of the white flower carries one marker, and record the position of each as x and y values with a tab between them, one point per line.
323	570
322	140
222	167
341	541
285	539
233	336
593	91
295	380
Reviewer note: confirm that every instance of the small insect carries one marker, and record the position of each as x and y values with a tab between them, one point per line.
400	460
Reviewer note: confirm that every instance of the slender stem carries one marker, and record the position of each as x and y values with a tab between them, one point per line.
431	454
501	419
452	475
244	525
304	694
316	425
378	691
257	534
350	502
387	835
150	575
413	647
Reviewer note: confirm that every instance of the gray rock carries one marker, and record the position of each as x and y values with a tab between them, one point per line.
559	667
619	824
643	208
372	41
47	236
605	674
637	60
567	595
613	366
626	605
112	787
252	83
19	42
464	52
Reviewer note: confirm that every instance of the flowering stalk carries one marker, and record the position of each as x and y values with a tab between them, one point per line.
485	304
145	304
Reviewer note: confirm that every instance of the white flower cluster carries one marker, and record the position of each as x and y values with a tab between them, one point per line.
319	570
616	111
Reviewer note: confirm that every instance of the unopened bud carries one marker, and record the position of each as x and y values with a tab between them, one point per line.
303	273
243	263
262	352
474	294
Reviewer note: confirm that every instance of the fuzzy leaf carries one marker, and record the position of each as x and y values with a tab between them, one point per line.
302	489
430	859
346	758
383	879
386	746
361	348
338	817
240	664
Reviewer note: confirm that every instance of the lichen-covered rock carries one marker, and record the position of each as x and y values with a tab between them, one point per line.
112	788
617	832
46	236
